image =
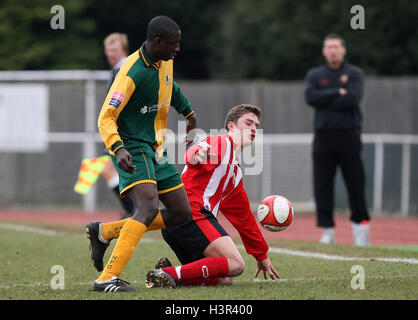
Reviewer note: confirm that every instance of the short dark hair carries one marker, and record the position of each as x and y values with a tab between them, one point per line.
161	26
238	111
335	36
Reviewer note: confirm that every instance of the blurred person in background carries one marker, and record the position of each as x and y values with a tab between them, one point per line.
116	48
335	90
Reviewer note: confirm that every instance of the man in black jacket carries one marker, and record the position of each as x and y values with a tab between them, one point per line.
335	91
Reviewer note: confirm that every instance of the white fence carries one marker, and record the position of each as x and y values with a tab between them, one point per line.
303	166
286	157
296	166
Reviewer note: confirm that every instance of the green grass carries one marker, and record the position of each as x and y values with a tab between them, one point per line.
400	247
27	258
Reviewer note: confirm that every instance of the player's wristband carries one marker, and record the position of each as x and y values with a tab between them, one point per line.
189	114
117	145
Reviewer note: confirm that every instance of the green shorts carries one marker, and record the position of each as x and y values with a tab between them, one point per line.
163	173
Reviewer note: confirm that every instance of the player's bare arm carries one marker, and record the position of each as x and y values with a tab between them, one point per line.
190	126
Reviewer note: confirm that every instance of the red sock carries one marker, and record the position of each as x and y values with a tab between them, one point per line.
209	282
212	267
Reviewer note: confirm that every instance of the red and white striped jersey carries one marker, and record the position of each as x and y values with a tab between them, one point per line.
207	184
218	186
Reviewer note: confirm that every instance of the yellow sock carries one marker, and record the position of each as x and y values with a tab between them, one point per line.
157	223
129	237
111	230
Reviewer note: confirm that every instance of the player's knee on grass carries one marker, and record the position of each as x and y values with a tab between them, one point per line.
227	281
236	266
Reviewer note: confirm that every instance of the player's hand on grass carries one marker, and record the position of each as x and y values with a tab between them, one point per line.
267	268
124	160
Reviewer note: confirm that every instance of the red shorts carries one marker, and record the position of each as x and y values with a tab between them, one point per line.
189	240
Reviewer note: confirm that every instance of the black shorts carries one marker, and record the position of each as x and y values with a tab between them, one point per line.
189	240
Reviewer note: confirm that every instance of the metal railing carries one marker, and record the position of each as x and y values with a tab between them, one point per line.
378	140
89	138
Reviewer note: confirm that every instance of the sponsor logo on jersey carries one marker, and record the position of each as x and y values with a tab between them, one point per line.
117	99
153	108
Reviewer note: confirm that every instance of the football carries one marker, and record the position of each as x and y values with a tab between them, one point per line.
275	213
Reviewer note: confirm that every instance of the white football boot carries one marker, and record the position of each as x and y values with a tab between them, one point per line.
361	234
327	236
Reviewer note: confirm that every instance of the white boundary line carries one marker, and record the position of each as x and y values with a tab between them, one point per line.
339	258
38	284
47	232
307	254
24	228
334	279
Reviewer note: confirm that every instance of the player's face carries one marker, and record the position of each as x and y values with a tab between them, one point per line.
333	51
170	46
246	127
114	52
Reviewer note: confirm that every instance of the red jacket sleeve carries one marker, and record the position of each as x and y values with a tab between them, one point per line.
236	208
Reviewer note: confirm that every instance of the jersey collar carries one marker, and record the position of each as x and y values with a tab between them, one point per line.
148	62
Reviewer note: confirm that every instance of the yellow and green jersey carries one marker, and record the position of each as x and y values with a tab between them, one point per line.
135	112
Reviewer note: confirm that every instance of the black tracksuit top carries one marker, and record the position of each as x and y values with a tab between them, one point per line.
333	111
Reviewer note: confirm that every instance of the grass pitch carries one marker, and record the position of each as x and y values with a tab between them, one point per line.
29	253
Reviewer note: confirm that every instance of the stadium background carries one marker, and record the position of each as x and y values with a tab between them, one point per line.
52	84
231	53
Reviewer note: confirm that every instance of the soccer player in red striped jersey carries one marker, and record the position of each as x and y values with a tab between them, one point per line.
213	181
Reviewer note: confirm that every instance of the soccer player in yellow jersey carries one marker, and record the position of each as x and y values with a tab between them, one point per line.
132	124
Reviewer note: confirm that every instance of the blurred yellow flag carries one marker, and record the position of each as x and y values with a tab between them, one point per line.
89	172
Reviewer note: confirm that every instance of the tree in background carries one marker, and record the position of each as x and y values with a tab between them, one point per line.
29	42
196	18
221	39
281	39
